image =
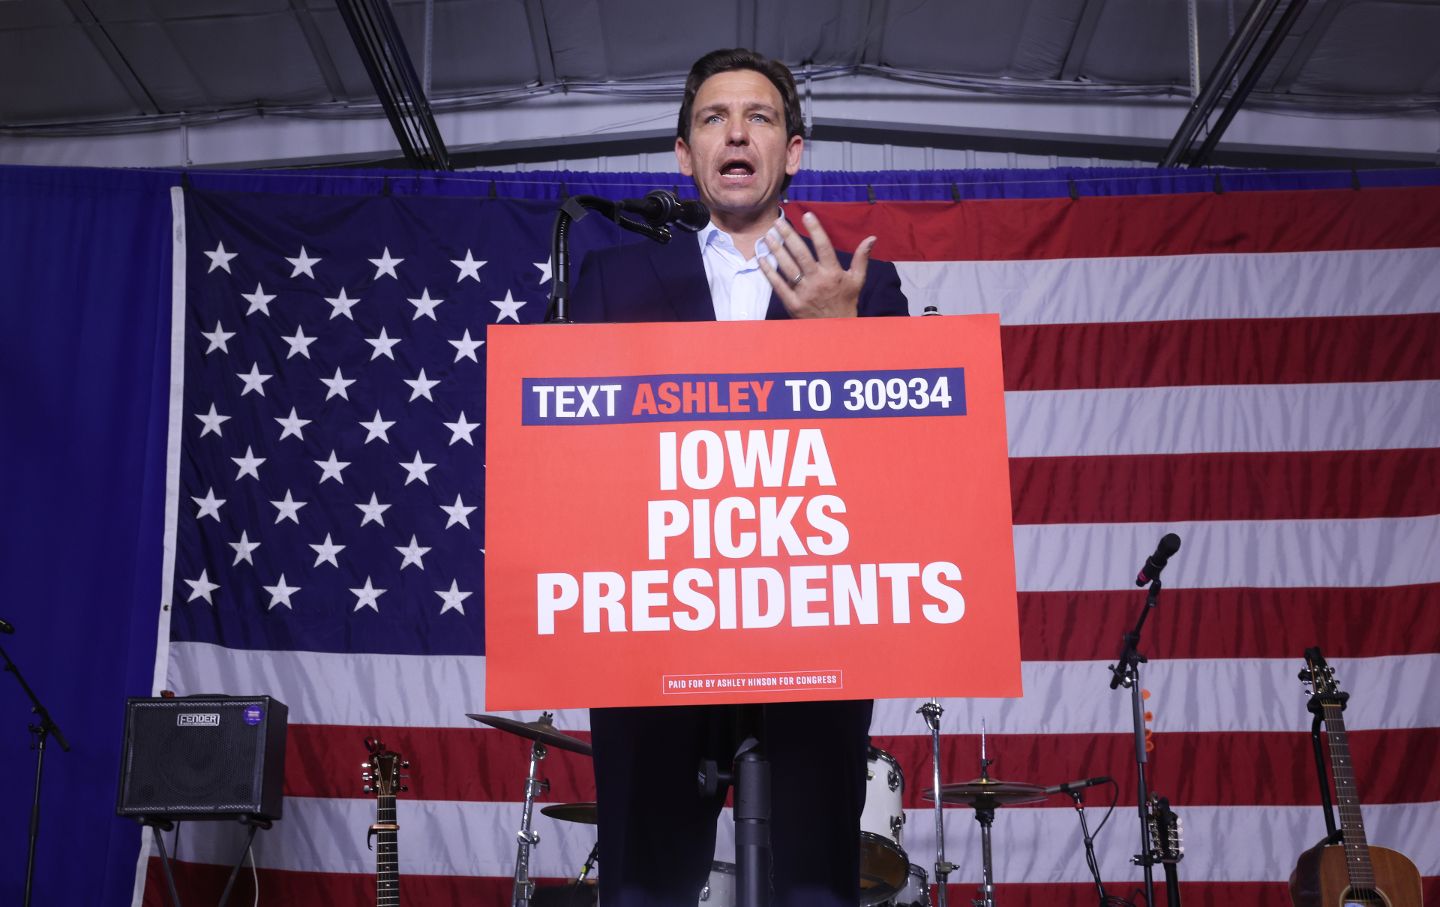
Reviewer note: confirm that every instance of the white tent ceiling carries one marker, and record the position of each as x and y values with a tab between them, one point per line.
214	83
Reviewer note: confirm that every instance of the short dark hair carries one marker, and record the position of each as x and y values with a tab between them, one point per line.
718	61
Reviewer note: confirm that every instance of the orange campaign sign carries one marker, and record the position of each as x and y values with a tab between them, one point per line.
729	512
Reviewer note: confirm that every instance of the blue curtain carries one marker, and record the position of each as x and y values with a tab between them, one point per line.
85	262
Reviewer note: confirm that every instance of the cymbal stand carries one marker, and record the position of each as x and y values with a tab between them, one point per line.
1089	840
932	711
527	837
985	815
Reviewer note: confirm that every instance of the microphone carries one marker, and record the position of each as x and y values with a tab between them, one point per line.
1073	786
660	207
6	627
1157	561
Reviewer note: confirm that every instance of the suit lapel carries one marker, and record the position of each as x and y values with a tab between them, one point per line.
681	274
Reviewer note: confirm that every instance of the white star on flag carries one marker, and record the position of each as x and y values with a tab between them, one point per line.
337	385
385	265
458	512
220	259
413	554
453	598
461	430
293	425
219	336
299	343
376	428
366	597
201	588
304	264
465	347
211	421
468	266
243	549
259	301
331	469
509	307
280	593
326	551
416	469
210	505
341	305
288	509
544	267
254	381
420	386
383	346
249	464
374	511
424	305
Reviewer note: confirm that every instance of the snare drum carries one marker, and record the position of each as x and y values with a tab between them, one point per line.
884	812
719	891
916	892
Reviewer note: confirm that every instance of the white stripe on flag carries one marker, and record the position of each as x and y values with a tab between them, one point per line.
1179	287
1031	845
1379	415
1061	697
1231	554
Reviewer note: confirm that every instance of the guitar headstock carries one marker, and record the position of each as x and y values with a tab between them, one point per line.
1166	832
1319	679
381	772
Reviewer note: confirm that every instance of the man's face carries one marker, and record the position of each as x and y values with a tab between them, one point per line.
739	153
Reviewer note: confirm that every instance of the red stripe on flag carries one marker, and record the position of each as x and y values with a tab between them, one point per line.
1198	223
1233	623
1228	351
1190	767
1309	485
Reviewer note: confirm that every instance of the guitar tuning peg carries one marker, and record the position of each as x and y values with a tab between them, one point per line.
405	764
404	787
366	776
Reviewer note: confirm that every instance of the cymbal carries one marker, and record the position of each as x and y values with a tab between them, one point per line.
541	731
572	812
989	792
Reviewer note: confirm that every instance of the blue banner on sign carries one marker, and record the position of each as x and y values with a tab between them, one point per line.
886	393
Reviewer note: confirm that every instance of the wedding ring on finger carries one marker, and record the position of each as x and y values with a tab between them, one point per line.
798	277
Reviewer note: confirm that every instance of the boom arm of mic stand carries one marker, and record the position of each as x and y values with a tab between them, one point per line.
574	208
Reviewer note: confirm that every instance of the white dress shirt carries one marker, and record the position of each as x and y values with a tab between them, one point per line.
738	287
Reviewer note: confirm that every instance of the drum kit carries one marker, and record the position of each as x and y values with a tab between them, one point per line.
887	876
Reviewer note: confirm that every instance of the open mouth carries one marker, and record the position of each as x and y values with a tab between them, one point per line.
737	170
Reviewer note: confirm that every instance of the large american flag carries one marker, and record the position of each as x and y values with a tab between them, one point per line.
1255	371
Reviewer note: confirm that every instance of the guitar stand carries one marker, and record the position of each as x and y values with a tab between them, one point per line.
1333	834
158	824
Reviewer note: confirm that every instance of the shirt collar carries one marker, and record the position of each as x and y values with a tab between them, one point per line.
711	235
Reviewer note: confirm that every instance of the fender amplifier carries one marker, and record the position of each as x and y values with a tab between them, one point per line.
203	757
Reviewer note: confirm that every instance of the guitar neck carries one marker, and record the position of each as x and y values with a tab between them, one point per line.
1352	824
387	854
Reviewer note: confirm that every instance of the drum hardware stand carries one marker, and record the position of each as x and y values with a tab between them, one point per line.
750	777
158	824
932	711
1126	673
589	865
43	727
527	837
1089	840
985	815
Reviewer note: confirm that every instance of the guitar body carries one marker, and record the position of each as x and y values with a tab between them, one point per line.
1322	880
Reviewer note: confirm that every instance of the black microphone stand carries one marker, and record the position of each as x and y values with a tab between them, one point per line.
1089	840
575	208
43	728
1126	673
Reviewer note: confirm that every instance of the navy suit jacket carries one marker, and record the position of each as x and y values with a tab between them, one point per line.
653	282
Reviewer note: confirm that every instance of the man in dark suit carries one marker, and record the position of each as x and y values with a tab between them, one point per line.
740	138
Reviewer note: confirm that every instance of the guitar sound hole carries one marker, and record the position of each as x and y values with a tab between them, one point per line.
1363	897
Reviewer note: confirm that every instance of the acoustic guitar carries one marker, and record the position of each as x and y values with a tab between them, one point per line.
1355	873
382	778
1167	845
